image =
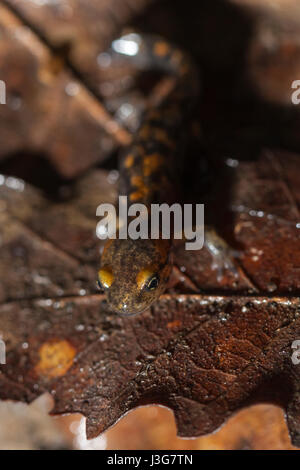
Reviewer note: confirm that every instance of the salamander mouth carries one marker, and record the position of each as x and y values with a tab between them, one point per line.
127	310
129	314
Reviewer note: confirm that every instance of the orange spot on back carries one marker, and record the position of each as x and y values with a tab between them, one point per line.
56	358
162	136
161	48
129	161
142	190
152	163
137	195
137	181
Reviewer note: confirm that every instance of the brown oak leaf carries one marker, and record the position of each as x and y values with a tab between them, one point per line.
207	348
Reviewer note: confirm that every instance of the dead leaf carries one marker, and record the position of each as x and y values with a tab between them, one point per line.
204	356
208	347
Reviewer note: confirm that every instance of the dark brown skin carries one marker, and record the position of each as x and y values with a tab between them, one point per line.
134	273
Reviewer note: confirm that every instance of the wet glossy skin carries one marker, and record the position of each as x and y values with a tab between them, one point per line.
134	273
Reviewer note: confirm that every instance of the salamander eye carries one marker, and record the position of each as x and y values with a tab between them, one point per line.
152	283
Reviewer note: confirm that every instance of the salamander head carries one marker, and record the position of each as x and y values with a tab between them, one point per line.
134	273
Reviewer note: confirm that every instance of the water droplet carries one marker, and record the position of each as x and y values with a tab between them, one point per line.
38	279
124	111
104	60
272	287
127	45
72	88
79	327
14	101
45	303
232	163
15	183
103	337
107	88
113	176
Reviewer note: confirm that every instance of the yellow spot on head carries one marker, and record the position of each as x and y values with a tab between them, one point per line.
161	48
56	358
144	275
105	277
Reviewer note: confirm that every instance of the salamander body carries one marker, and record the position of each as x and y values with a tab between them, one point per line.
134	273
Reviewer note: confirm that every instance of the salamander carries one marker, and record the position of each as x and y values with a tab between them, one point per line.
134	273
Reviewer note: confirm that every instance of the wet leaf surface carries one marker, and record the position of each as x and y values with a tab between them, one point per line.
210	346
50	111
203	355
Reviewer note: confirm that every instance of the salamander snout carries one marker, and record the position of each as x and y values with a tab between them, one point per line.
133	274
128	304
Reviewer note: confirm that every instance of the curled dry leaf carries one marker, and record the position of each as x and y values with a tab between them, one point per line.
29	427
84	29
54	107
153	427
